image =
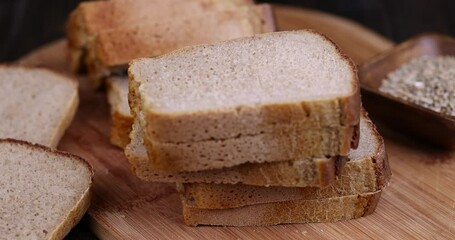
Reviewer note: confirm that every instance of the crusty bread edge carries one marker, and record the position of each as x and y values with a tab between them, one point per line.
364	205
121	123
79	209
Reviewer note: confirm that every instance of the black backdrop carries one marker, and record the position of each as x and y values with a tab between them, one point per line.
27	24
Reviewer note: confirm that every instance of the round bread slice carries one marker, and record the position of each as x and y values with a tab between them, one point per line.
43	192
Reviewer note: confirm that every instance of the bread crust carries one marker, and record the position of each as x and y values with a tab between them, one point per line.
305	172
368	174
121	129
78	210
297	211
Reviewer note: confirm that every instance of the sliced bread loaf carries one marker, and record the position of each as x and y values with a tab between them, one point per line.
307	172
198	116
37	105
122	120
366	171
296	211
43	192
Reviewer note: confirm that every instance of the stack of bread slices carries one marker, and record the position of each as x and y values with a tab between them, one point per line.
256	131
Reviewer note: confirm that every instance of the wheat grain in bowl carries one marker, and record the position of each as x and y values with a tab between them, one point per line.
426	81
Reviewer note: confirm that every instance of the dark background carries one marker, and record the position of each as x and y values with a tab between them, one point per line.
27	24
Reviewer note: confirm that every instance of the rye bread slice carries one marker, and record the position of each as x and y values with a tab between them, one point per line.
36	105
366	171
43	192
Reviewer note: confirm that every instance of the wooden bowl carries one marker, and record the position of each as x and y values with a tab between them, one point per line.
402	115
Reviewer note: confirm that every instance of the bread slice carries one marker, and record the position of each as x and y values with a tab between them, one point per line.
109	53
296	211
306	172
105	36
259	111
90	18
122	120
366	171
37	105
43	192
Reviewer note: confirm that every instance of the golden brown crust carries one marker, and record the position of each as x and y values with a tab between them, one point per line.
380	160
121	129
299	211
46	149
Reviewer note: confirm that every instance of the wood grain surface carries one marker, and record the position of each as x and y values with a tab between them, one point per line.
418	204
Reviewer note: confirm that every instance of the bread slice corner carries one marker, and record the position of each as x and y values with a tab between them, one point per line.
45	192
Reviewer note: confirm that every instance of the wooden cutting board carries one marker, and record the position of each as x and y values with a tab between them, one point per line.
419	203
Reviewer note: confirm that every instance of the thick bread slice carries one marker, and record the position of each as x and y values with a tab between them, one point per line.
122	120
307	172
115	48
196	123
266	147
90	18
245	87
297	211
367	171
104	36
43	192
37	105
